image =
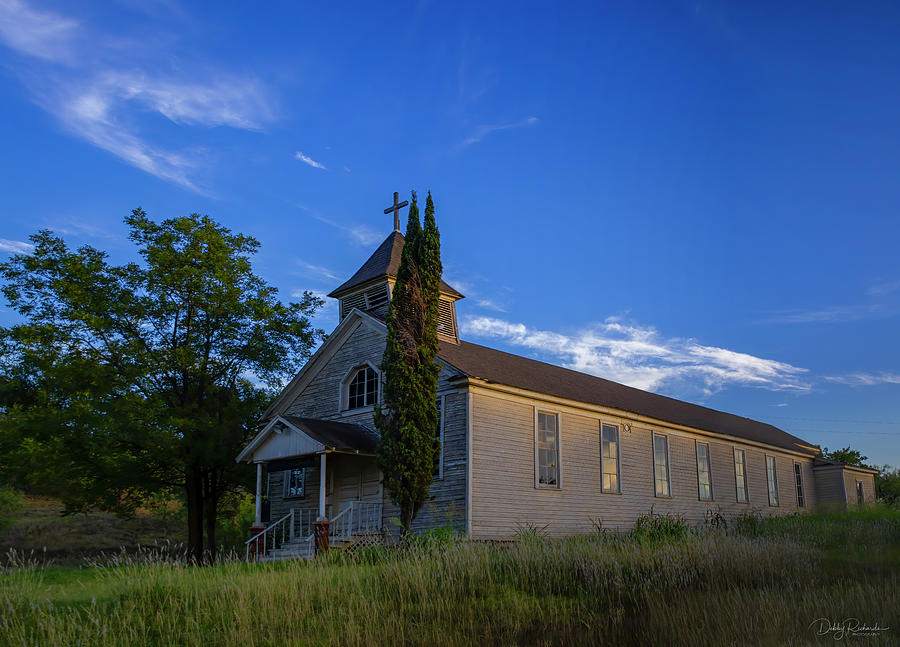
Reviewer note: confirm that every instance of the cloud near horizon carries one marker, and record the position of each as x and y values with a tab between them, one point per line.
640	357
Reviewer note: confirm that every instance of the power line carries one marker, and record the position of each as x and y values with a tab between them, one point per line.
844	431
854	422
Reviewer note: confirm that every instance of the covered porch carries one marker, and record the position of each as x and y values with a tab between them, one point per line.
310	471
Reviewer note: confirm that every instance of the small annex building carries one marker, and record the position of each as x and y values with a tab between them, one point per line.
523	442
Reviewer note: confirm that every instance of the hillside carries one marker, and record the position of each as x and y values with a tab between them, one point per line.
68	539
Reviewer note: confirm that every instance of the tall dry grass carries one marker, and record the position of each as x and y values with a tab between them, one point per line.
762	584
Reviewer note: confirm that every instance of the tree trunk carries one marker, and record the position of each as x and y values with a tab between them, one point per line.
194	492
211	504
406	518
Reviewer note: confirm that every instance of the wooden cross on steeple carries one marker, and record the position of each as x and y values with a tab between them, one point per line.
396	209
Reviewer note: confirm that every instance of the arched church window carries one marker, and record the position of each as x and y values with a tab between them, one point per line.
362	390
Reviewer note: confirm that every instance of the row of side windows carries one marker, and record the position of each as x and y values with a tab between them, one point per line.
548	474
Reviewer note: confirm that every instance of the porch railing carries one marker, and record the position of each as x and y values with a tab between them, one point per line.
303	521
298	523
274	536
360	517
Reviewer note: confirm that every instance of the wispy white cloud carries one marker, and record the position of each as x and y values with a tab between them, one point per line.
42	34
103	98
865	379
82	228
831	314
15	246
489	304
478	290
882	289
306	159
483	131
238	102
361	235
102	112
639	356
317	271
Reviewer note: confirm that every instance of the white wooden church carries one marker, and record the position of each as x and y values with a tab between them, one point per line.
522	442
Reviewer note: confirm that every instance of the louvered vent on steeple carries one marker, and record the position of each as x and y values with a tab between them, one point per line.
447	319
374	300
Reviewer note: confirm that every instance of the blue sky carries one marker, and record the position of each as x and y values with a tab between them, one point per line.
694	198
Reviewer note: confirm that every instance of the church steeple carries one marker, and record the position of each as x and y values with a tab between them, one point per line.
370	288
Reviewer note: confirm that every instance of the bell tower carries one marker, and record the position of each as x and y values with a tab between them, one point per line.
370	288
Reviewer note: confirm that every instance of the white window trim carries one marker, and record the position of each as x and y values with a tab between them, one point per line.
802	489
344	395
537	473
746	481
668	465
618	427
286	480
440	474
712	493
774	458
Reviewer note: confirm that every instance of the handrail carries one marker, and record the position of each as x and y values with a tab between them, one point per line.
340	526
358	517
304	520
273	529
366	517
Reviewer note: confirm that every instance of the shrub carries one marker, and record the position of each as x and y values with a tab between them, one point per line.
748	522
657	527
715	520
11	504
433	540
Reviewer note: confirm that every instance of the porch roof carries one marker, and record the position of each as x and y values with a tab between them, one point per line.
307	436
337	435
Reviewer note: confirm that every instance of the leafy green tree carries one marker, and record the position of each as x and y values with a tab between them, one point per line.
845	455
127	380
887	485
407	421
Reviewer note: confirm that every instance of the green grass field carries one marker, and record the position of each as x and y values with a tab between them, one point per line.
752	583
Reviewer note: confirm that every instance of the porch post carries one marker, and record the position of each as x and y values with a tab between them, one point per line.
257	521
322	485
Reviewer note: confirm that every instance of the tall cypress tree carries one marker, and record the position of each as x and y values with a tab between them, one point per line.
408	418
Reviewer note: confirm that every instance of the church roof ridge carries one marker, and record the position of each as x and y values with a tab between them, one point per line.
384	261
501	367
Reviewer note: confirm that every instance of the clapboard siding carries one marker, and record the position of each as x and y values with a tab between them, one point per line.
321	397
281	506
446	506
868	481
504	497
830	485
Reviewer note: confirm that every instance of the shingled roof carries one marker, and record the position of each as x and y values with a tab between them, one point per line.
512	370
384	261
337	435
